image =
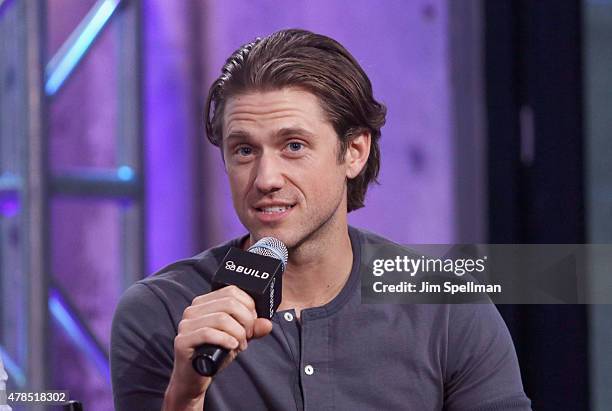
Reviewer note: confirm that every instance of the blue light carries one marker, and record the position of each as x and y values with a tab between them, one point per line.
125	173
64	62
10	187
13	369
79	336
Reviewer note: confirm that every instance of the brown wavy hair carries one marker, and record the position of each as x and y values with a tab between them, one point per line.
315	63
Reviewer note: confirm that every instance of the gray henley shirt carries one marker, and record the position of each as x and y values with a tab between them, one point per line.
342	356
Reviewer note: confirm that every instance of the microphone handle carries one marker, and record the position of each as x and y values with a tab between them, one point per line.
208	358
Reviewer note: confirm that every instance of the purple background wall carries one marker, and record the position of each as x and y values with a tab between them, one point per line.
170	131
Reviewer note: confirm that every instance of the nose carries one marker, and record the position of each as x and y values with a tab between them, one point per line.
269	176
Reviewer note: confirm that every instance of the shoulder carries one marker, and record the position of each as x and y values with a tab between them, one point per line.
171	289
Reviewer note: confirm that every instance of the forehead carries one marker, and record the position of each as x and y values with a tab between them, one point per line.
275	108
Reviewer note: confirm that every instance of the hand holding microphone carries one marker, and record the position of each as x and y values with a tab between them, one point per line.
259	273
246	292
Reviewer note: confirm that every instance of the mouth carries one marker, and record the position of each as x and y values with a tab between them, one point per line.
273	213
274	209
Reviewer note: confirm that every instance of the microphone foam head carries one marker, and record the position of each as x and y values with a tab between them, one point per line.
271	247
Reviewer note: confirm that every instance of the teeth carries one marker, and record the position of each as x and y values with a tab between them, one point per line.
271	210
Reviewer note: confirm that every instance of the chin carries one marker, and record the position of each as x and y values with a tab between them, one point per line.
286	236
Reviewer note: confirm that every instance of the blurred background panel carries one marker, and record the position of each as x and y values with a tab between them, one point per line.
498	130
597	55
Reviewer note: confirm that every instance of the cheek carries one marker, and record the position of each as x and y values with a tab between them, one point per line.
329	182
238	181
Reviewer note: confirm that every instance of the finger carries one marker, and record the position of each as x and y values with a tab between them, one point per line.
228	305
261	327
229	291
187	342
219	320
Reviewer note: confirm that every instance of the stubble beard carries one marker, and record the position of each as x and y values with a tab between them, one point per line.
314	230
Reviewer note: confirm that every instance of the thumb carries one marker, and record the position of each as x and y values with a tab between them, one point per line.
262	327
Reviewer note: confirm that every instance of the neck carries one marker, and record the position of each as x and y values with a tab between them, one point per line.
318	269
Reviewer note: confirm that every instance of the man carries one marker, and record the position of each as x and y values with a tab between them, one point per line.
298	129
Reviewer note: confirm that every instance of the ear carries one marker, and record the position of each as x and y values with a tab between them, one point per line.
357	154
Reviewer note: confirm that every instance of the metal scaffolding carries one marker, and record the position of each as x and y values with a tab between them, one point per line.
27	184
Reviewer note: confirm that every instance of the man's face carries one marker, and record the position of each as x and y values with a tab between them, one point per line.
281	158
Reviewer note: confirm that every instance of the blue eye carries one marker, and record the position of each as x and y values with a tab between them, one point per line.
295	146
244	151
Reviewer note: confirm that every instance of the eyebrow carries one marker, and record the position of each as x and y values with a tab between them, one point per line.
239	134
294	131
283	132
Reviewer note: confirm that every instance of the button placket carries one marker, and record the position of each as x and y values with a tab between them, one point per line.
315	374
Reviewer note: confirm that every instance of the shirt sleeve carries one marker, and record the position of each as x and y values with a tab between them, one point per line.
482	370
142	350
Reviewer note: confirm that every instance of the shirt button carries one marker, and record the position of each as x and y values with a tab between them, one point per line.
288	316
309	370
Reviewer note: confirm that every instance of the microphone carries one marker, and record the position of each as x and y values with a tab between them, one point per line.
258	272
